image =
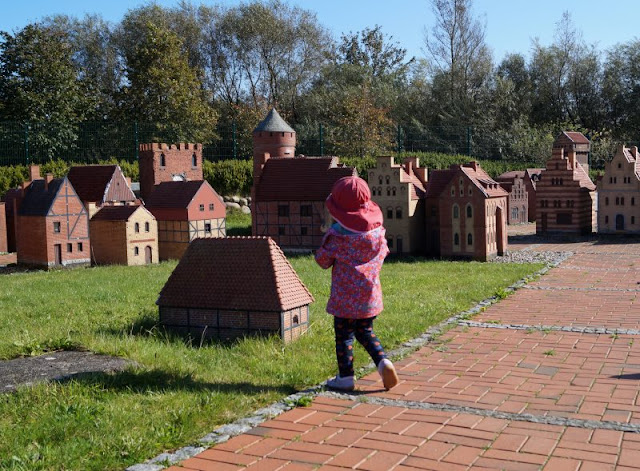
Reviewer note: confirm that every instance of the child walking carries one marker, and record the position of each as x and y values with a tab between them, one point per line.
355	246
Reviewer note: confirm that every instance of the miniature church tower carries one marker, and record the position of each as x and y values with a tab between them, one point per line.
165	163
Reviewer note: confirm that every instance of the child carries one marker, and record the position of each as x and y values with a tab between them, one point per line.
356	247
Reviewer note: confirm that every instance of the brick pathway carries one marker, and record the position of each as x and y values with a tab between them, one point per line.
545	379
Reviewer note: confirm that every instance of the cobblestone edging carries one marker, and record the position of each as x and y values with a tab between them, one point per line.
555	328
225	432
538	419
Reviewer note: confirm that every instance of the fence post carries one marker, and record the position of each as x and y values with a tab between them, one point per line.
26	143
321	139
135	140
469	135
234	147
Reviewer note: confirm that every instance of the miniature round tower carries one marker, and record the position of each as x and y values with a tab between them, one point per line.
272	137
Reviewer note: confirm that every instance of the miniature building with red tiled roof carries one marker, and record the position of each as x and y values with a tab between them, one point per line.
465	213
399	190
125	235
565	195
185	211
160	162
619	193
518	201
288	192
233	287
97	185
52	225
577	142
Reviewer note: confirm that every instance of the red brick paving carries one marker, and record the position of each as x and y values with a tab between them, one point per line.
550	374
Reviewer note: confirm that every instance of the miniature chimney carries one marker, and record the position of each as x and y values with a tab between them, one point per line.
572	159
47	179
34	172
634	152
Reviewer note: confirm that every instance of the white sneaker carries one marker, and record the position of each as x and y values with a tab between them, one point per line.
346	383
387	372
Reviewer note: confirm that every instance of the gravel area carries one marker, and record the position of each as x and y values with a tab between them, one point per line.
530	256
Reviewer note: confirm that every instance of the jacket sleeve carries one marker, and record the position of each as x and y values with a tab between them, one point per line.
325	255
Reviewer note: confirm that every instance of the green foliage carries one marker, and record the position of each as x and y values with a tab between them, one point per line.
229	177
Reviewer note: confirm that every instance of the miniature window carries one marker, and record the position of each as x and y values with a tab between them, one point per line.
163	160
633	201
211	206
453	191
146	227
456	211
79	246
379	191
393	191
202	207
136	227
617	200
610	179
281	230
207	227
304	230
469	239
305	210
296	320
389	213
69	247
373	191
390	242
56	227
387	179
615	179
619	165
136	251
456	239
606	201
469	211
283	210
470	191
194	160
388	191
380	179
606	219
398	213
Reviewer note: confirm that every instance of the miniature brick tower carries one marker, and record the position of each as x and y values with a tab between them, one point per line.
572	141
165	163
272	137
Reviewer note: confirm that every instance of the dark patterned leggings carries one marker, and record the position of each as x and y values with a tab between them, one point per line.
362	330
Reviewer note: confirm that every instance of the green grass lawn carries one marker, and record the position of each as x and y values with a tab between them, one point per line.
179	390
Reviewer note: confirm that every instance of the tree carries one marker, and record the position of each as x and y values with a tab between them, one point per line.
38	84
164	90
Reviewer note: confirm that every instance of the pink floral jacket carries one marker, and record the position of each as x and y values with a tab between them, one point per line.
355	282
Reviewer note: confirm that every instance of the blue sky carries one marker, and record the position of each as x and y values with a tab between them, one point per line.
511	24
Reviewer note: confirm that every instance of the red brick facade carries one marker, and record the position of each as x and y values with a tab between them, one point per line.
531	178
53	226
3	228
165	163
518	200
572	141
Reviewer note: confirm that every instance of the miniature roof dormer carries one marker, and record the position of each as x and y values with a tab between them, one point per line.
273	122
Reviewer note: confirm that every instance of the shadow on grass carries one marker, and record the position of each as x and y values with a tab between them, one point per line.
161	381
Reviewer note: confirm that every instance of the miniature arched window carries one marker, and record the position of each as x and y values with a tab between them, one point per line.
373	191
633	201
380	179
194	160
136	227
617	201
146	227
606	201
456	239
136	251
163	160
296	320
469	211
470	191
615	179
389	213
398	212
387	179
379	191
619	165
393	191
456	211
388	191
469	239
453	191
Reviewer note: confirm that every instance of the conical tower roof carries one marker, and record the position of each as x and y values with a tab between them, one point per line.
273	123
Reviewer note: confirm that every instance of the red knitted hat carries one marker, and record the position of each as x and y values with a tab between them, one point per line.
350	204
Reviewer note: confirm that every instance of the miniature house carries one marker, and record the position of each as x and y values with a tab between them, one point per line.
3	228
577	142
289	192
565	196
126	235
185	211
465	213
518	199
234	287
53	225
98	185
168	163
13	198
619	193
399	190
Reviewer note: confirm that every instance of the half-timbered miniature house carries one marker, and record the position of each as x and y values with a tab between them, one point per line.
619	193
125	235
159	162
565	196
466	213
99	185
185	211
233	287
53	225
518	200
399	190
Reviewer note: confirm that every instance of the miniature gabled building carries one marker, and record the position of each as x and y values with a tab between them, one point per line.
53	225
125	235
619	193
159	162
577	142
518	201
233	287
565	196
399	190
468	209
98	185
185	211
